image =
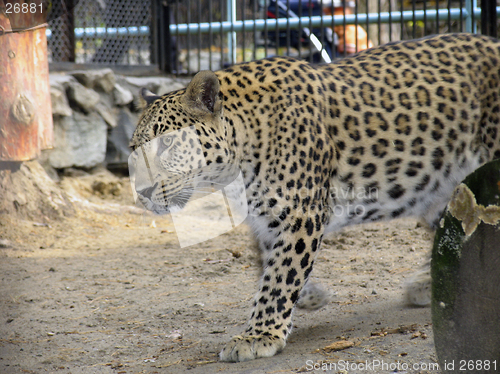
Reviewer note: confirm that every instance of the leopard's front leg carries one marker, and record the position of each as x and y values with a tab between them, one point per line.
288	261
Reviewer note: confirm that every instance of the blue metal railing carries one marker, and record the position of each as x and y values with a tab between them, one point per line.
284	23
317	21
106	31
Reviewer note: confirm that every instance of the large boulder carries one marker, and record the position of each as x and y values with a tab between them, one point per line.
79	140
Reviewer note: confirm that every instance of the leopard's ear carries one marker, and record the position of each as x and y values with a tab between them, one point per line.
203	93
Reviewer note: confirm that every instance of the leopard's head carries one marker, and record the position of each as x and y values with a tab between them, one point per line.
179	146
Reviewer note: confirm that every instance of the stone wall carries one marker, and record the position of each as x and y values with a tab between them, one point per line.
95	113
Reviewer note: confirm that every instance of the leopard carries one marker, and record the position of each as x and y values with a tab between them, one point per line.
386	133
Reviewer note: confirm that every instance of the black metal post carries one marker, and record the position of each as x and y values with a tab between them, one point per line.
165	48
71	29
489	17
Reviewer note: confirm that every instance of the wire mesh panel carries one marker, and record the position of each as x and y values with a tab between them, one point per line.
105	32
60	36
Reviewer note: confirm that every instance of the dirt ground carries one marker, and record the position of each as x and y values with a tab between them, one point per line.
108	290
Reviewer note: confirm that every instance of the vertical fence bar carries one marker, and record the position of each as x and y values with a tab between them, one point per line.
402	21
334	47
243	40
199	36
210	35
188	36
309	8
288	31
367	23
461	15
177	60
344	25
277	30
437	16
161	35
489	18
255	31
221	7
469	19
266	34
379	23
449	15
300	28
425	18
356	24
231	37
322	28
390	20
414	20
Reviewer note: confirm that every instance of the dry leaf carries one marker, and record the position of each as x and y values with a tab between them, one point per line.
338	346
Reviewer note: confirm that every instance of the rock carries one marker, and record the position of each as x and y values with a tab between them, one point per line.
82	97
80	140
151	83
169	85
118	149
122	96
108	114
103	79
60	81
84	77
106	188
106	99
60	105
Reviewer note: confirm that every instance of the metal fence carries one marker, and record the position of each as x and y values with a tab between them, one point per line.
188	36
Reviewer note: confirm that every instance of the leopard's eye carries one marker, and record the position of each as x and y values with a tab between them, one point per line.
167	141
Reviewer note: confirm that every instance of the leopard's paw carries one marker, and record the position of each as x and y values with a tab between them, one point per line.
313	296
418	288
245	348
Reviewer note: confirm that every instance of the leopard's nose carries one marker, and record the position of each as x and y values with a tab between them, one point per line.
148	192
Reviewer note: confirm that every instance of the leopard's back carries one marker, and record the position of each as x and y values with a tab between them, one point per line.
411	120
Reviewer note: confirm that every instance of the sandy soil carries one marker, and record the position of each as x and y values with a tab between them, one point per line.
108	290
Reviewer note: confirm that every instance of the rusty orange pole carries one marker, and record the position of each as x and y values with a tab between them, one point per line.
25	107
